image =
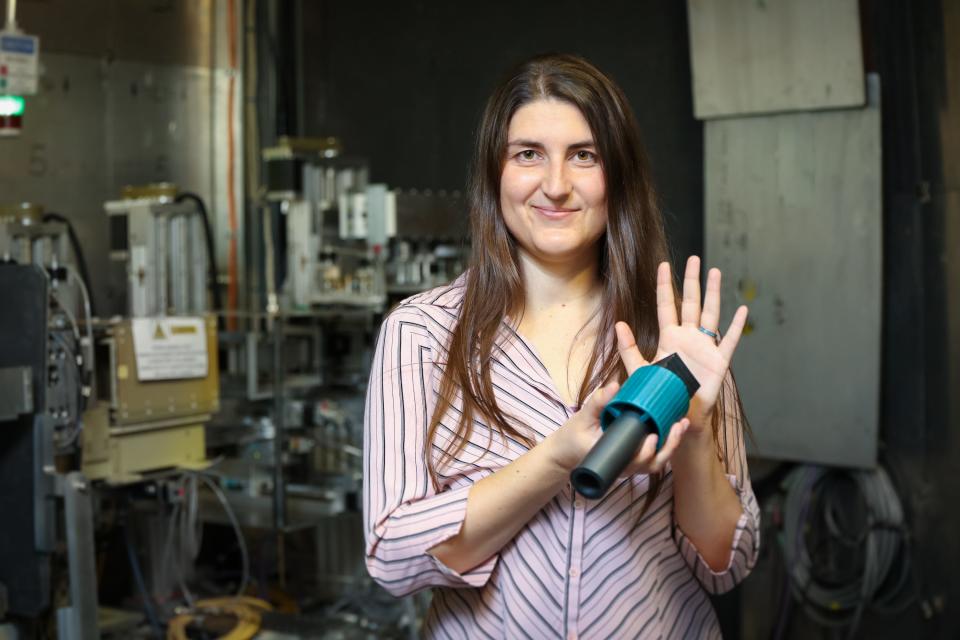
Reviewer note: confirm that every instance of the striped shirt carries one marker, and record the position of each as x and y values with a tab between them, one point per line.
579	568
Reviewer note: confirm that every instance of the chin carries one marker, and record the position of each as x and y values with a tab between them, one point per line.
560	251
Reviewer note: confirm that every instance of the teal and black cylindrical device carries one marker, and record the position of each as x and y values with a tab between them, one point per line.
649	402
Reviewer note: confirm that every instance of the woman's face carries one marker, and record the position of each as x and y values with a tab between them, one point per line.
552	190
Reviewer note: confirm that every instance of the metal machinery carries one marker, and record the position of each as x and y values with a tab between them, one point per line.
46	368
104	420
337	224
318	271
83	400
289	431
160	377
352	242
293	378
96	411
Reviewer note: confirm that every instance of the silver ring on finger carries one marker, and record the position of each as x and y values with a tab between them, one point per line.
712	334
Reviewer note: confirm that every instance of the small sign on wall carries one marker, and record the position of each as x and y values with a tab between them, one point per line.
19	66
170	348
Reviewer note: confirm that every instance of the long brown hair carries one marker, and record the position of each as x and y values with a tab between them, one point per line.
629	252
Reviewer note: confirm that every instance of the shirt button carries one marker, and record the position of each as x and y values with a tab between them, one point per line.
578	503
574	572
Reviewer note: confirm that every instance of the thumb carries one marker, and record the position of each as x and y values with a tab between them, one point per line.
594	405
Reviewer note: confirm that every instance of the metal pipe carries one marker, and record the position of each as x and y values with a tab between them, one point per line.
279	488
11	15
81	615
273	304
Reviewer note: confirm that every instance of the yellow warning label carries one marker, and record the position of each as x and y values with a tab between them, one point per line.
158	333
182	329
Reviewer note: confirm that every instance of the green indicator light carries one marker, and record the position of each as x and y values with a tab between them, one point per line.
11	106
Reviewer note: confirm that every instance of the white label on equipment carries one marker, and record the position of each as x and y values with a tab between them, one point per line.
19	63
170	348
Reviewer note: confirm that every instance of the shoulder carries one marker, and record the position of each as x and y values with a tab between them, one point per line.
447	296
439	307
435	311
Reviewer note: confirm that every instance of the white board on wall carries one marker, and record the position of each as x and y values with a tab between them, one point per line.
793	220
768	56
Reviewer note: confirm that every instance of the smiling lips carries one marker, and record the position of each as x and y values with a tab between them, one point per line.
553	213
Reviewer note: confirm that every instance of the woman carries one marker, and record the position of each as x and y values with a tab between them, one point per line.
484	394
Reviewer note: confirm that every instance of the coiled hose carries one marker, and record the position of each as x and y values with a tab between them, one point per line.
845	543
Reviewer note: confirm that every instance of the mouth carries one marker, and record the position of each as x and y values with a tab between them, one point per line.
554	213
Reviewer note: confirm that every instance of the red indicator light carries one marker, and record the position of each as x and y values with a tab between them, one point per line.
10	125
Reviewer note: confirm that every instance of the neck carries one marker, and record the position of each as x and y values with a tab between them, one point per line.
571	285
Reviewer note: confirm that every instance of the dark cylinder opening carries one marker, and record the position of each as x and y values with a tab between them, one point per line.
587	483
611	454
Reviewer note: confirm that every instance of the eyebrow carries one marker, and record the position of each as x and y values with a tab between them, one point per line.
539	145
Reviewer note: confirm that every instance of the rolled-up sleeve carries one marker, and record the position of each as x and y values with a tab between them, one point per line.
404	515
743	550
745	546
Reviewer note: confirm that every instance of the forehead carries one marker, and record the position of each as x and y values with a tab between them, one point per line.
549	120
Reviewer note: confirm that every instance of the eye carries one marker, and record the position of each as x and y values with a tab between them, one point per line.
585	156
527	155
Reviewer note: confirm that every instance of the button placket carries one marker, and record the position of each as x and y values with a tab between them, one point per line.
575	569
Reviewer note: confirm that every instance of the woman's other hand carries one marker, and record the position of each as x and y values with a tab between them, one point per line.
708	358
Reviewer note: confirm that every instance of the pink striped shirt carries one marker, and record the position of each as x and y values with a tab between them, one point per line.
579	568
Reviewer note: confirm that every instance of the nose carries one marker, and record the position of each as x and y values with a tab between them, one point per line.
556	182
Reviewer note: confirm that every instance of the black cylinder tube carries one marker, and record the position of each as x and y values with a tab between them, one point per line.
620	442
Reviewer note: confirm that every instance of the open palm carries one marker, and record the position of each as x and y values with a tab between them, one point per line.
707	358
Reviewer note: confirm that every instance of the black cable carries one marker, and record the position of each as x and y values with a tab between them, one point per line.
77	251
141	585
211	252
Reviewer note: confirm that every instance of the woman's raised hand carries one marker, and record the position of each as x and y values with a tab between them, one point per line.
707	357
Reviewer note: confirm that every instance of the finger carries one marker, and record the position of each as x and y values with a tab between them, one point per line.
628	349
690	305
647	452
729	343
594	405
666	305
673	441
710	318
